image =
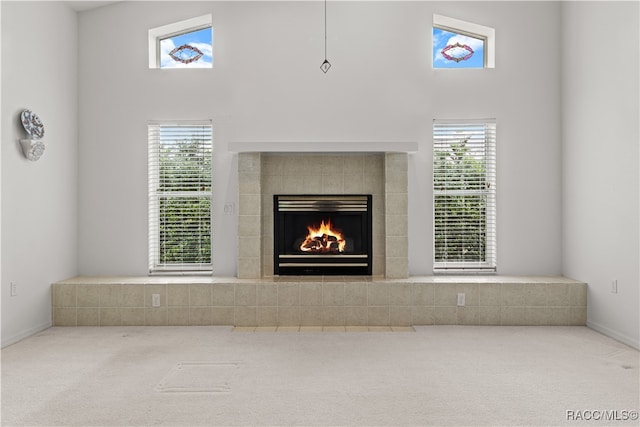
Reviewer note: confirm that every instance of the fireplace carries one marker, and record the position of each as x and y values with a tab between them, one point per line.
322	234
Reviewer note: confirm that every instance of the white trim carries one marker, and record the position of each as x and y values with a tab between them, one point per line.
323	147
25	334
630	341
195	122
487	33
155	34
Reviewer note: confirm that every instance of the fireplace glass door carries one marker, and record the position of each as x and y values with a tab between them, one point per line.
322	234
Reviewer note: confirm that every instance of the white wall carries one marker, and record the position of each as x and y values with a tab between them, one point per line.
39	199
601	160
578	216
266	85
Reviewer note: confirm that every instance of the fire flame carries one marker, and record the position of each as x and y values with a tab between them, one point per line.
323	239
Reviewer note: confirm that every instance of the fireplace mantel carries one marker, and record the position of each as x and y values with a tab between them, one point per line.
323	147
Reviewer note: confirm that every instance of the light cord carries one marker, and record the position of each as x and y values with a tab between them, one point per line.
325	30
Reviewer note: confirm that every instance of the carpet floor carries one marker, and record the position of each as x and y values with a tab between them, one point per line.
209	376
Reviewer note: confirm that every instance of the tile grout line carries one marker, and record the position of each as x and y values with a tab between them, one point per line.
327	329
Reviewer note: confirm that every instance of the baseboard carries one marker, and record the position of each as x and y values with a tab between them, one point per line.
7	341
633	342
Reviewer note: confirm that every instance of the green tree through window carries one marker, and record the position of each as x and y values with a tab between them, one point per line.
464	197
180	197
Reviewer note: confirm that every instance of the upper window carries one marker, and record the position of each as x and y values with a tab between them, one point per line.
180	196
464	196
185	44
460	44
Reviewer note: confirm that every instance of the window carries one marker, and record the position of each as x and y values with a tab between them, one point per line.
180	196
464	196
460	44
184	44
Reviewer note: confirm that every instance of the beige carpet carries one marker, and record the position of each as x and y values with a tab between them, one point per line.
438	375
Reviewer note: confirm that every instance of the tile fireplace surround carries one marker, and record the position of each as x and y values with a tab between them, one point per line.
261	175
258	298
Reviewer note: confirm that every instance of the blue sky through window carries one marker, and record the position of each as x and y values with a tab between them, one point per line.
200	39
443	38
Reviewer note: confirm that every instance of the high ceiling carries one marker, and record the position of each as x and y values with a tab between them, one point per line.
80	6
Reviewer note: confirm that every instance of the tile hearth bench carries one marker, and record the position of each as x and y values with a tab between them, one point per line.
319	301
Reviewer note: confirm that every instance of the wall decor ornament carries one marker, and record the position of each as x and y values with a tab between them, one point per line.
186	54
32	146
457	52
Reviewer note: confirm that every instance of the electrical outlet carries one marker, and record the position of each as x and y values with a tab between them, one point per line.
461	299
155	300
229	209
14	289
614	286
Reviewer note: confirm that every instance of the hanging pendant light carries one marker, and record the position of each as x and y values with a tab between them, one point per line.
326	64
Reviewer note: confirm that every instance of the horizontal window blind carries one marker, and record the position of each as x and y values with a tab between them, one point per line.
180	196
464	191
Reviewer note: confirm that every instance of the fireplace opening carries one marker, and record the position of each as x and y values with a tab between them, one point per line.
322	235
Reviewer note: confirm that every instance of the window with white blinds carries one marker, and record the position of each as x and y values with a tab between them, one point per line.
464	196
180	196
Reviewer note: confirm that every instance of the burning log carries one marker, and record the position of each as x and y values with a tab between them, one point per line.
324	243
323	239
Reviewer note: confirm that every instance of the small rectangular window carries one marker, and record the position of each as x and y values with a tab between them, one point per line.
456	50
464	196
180	197
461	44
184	44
